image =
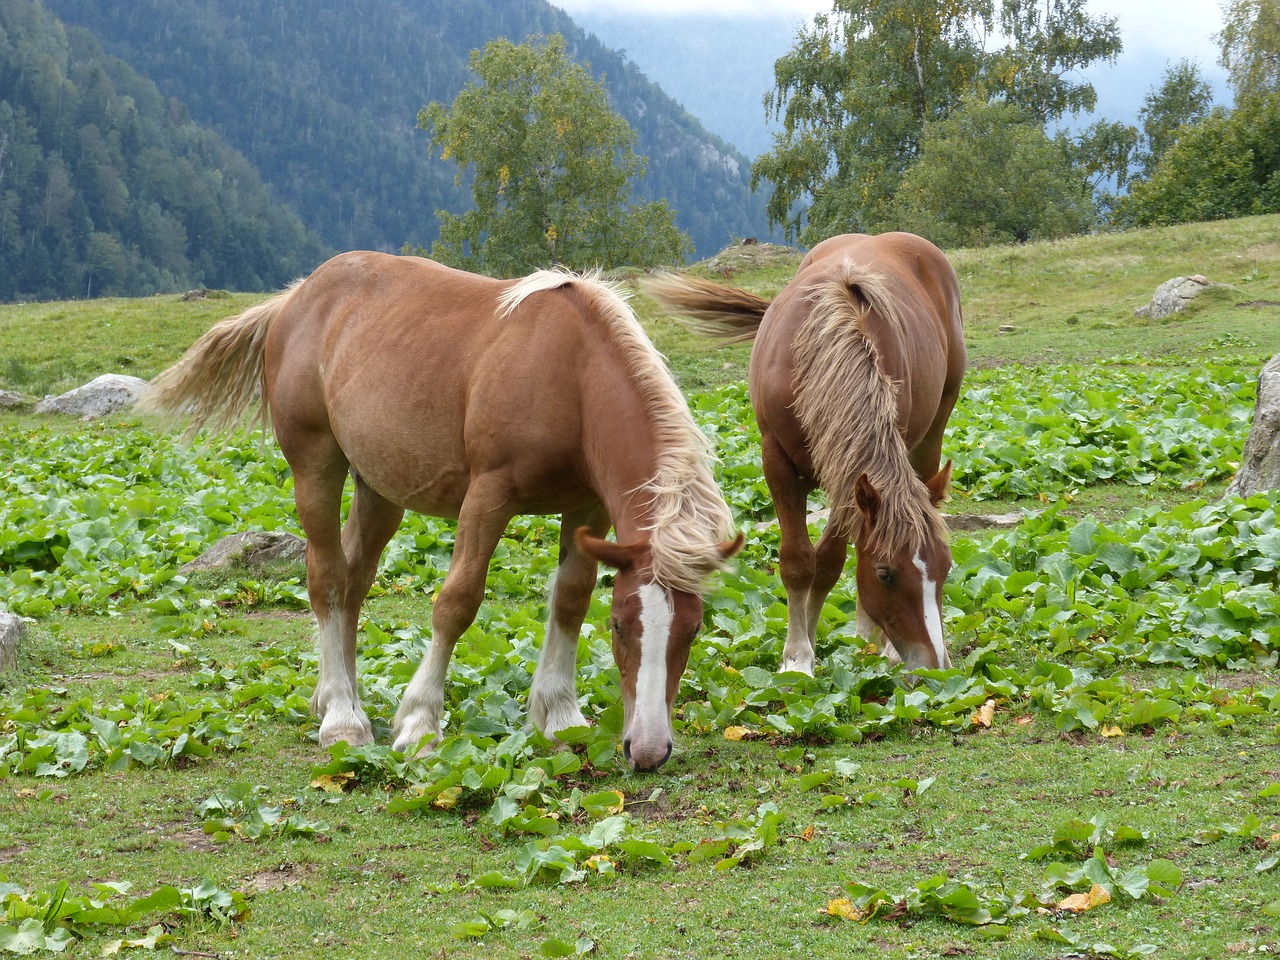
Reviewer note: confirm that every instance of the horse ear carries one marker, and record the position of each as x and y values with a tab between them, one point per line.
729	548
867	497
940	485
618	555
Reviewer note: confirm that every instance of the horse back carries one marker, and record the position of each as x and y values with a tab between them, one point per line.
411	370
912	321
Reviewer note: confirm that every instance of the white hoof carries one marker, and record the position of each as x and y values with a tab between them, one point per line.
346	725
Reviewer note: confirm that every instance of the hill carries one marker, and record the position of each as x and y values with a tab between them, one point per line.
107	186
322	97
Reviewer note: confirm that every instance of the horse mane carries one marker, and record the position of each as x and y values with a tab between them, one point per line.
688	515
847	405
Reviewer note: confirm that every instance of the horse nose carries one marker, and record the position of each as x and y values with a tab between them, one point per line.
643	762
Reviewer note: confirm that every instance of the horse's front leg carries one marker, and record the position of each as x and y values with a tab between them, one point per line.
831	552
481	521
553	696
796	561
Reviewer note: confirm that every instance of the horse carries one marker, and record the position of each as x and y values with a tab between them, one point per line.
475	399
855	368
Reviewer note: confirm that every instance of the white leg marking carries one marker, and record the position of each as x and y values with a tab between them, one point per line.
553	695
932	614
335	699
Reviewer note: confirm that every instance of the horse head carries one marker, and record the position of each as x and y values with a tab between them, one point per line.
900	579
652	627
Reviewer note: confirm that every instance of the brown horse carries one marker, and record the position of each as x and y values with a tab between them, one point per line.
460	396
856	367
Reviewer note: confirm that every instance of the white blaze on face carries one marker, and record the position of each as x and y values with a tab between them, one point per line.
650	727
932	613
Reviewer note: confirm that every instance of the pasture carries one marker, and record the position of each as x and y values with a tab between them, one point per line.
1098	775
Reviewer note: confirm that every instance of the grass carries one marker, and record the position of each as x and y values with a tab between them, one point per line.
379	884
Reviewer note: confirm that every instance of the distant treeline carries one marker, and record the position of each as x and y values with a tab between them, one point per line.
108	187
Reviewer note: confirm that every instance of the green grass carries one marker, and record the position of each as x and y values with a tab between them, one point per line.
111	631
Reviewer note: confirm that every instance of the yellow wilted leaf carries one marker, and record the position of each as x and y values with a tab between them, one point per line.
736	733
333	782
986	713
844	908
1111	731
1024	720
448	798
807	833
1080	902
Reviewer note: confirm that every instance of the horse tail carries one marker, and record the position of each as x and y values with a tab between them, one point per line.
708	309
217	379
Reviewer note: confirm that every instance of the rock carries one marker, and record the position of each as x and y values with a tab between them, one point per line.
254	549
11	627
9	400
1172	297
106	394
981	521
1006	328
1260	464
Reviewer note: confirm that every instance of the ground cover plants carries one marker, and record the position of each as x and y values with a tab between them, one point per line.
1096	777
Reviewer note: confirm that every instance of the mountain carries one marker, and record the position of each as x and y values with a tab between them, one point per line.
718	67
322	98
107	186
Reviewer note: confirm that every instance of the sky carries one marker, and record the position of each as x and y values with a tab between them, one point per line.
1154	31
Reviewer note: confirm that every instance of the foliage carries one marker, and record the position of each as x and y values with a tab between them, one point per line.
106	187
861	86
551	169
988	174
1183	99
1250	48
1227	165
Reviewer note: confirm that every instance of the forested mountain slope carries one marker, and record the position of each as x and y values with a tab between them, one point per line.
107	186
322	96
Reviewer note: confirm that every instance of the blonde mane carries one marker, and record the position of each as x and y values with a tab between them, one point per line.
688	515
848	407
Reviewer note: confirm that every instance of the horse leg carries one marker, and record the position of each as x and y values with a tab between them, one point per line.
553	696
481	521
319	472
830	555
796	560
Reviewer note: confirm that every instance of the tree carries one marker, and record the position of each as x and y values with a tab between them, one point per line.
1184	97
989	174
551	167
1227	165
858	89
854	95
1250	47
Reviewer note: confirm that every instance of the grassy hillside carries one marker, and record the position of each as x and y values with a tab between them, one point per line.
1070	300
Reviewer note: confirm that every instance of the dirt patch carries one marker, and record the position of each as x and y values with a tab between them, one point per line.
283	877
1257	304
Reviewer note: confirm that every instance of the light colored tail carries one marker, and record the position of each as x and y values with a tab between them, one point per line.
217	379
708	309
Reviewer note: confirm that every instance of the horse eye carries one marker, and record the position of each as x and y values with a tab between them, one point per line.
614	625
885	574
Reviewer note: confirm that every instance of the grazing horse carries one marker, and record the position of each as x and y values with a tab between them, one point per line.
461	396
855	369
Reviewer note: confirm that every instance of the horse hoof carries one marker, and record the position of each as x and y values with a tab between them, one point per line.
352	737
796	667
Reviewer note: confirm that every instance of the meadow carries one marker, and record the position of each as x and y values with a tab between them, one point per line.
1097	776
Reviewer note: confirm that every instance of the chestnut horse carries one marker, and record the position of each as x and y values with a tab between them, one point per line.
856	367
461	396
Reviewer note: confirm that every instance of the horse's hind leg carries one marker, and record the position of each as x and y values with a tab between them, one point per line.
796	558
319	472
553	696
484	515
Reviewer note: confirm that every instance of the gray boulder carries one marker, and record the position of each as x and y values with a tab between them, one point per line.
256	549
106	394
9	400
1172	297
11	628
1260	464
